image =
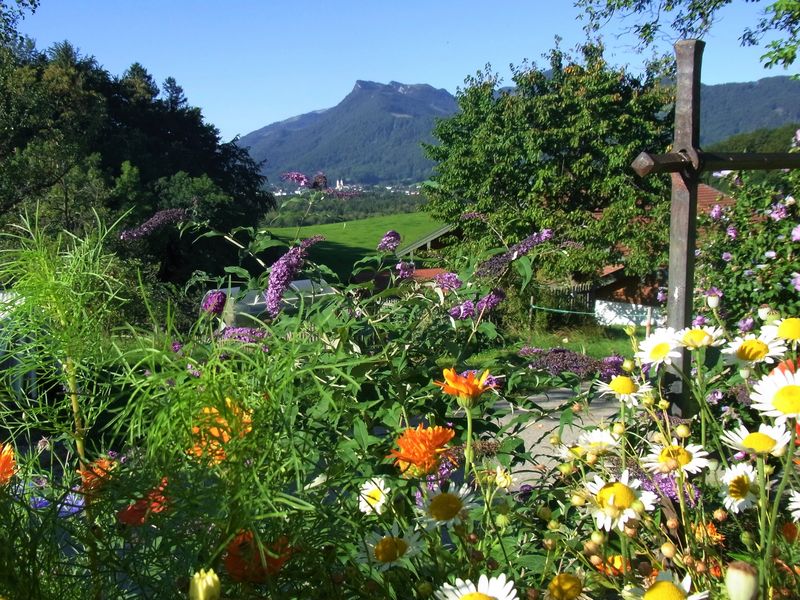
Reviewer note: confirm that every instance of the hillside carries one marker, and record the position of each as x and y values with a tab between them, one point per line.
373	135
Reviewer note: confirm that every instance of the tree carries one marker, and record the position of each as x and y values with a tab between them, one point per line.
693	18
10	14
555	152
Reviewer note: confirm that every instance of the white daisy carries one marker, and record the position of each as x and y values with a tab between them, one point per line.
769	439
625	389
667	587
496	588
794	504
446	508
741	484
617	501
778	395
598	441
373	495
750	350
659	347
384	551
690	458
785	329
700	337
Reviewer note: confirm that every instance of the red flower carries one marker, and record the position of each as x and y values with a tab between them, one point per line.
136	514
785	366
245	561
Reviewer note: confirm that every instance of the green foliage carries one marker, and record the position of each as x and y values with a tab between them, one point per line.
555	152
755	262
780	22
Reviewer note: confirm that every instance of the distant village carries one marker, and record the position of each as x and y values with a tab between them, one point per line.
340	186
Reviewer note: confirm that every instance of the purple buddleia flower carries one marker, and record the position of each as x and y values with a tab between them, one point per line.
490	301
295	177
192	370
473	216
727	256
176	346
495	266
610	367
283	272
661	295
404	270
778	212
448	281
529	351
214	302
465	310
732	232
746	324
796	233
389	242
525	492
491	380
699	321
247	335
562	360
713	397
716	212
667	485
161	219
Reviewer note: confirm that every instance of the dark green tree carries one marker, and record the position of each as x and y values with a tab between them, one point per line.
555	152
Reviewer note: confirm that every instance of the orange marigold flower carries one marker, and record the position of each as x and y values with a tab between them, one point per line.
96	474
785	366
245	561
613	566
420	449
467	388
136	514
8	464
707	534
215	430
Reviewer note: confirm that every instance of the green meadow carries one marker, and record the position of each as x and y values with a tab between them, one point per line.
349	241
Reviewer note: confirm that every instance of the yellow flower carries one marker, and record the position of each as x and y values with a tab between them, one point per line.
204	585
565	587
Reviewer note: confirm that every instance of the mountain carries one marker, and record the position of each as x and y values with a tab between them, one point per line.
373	136
729	109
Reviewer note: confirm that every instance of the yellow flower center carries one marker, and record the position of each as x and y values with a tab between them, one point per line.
565	587
677	453
752	350
445	506
660	351
390	549
695	338
758	442
622	385
615	495
664	590
787	399
476	596
374	497
789	329
577	451
739	487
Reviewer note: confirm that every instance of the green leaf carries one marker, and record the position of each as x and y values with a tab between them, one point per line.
361	434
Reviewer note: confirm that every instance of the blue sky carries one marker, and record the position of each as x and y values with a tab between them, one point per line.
248	63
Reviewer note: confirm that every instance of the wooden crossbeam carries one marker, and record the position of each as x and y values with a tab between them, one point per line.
674	162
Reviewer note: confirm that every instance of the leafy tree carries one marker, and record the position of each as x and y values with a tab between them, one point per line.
555	152
693	18
10	14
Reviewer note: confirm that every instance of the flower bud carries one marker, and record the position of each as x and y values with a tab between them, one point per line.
772	316
598	537
638	506
425	589
648	400
712	301
544	513
591	547
566	469
663	404
618	428
668	549
549	544
578	500
688	560
555	440
204	585
553	525
744	372
503	478
630	330
492	564
502	521
700	567
595	560
763	311
576	407
630	531
628	365
746	538
591	458
720	515
672	523
741	581
683	431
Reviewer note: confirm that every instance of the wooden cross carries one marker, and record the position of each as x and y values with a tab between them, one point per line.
686	162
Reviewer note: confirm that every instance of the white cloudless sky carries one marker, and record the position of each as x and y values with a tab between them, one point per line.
248	63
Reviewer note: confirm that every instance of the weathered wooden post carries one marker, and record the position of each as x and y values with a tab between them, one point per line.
686	162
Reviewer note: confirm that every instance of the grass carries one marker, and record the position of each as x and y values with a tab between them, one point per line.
347	242
592	340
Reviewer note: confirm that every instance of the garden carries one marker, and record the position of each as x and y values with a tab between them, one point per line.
371	445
